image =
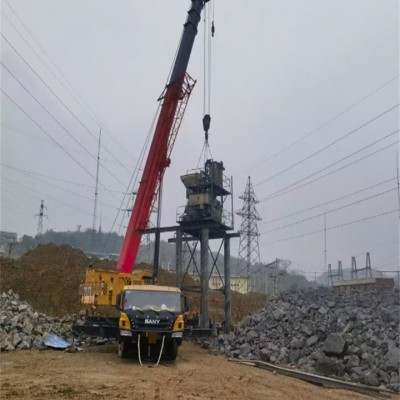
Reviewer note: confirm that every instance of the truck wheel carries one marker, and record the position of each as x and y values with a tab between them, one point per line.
123	349
171	350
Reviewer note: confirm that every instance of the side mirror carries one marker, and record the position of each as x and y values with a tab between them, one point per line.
118	302
186	304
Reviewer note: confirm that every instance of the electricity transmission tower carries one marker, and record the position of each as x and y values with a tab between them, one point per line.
96	193
249	250
40	217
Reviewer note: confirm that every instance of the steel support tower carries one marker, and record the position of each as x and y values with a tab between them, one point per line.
40	217
249	249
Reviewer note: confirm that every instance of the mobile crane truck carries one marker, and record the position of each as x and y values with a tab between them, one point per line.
150	317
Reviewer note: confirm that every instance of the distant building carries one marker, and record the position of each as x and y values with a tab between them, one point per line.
102	256
7	239
238	283
364	285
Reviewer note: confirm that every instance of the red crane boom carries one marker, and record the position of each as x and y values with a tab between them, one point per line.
174	101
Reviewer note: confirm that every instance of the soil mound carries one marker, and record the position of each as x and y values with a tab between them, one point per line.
50	255
48	277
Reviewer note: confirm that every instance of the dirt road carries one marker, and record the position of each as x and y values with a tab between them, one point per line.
98	373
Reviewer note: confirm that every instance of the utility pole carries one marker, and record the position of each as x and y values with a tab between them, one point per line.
325	242
398	179
96	193
40	217
249	250
276	277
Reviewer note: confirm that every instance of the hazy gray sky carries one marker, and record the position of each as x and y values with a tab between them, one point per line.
280	69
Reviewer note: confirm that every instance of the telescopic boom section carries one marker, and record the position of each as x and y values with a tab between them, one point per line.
157	159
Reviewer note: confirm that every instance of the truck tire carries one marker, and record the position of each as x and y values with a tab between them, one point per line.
123	349
171	350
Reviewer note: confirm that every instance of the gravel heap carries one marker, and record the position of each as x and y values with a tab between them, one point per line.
354	337
21	327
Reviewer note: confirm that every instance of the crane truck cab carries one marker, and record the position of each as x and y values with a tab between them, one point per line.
147	319
151	321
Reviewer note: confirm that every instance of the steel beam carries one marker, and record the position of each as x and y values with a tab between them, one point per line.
204	311
227	275
178	258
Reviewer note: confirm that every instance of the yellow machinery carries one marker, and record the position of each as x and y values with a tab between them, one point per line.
101	286
150	322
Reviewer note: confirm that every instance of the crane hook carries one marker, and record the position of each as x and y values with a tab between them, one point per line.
206	125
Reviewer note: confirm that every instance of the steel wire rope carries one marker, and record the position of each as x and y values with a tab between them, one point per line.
59	99
133	180
52	139
281	192
331	228
141	156
327	202
329	145
73	92
330	211
325	123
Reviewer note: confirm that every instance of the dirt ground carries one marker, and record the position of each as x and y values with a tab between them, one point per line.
98	373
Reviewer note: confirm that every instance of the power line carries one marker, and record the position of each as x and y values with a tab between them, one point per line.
57	122
52	139
14	209
46	195
24	171
331	211
340	160
331	228
56	186
326	123
47	134
282	192
58	98
329	145
133	178
326	203
71	90
33	135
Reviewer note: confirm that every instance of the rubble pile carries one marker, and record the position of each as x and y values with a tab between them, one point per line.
351	336
21	327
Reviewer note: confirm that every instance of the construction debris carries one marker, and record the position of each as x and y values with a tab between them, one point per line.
318	379
21	327
353	337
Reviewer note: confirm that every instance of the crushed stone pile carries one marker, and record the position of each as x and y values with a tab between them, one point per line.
354	337
21	327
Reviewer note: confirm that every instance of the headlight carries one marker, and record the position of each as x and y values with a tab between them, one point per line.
125	333
177	334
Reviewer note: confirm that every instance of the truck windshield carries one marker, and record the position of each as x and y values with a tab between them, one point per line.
152	300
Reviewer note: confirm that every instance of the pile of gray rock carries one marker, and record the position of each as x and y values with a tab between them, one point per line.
351	336
21	327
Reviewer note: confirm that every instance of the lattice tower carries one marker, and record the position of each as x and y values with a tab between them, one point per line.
249	249
40	217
